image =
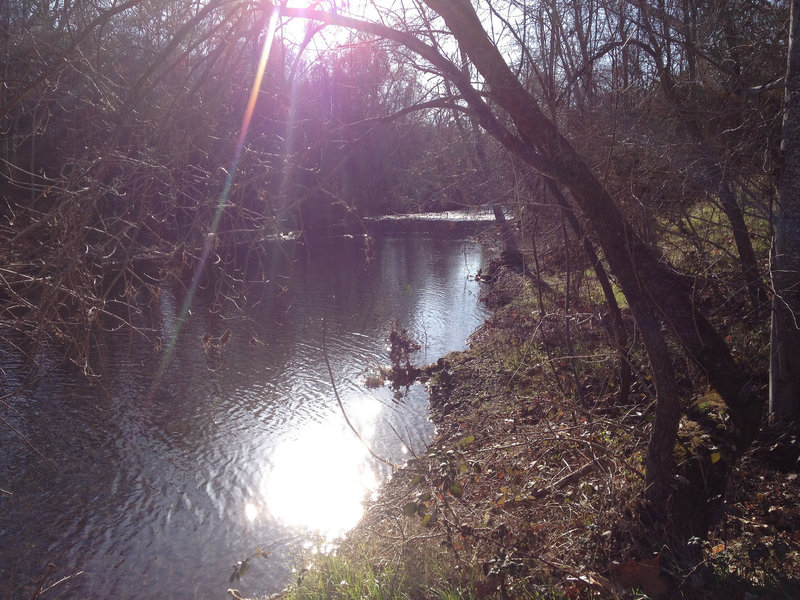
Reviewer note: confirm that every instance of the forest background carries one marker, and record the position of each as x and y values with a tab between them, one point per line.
649	145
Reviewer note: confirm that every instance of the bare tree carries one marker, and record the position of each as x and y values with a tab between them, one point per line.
656	293
785	347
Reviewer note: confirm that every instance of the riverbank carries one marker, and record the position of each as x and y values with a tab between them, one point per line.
531	486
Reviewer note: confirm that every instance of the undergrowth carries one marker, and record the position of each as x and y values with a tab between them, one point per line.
362	571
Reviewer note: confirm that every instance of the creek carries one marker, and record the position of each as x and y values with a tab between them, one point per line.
180	461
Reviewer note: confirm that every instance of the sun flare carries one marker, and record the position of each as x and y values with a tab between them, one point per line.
319	480
296	28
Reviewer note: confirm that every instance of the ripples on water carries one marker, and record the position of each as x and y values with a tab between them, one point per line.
158	491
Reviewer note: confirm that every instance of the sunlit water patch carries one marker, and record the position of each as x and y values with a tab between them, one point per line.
318	479
452	216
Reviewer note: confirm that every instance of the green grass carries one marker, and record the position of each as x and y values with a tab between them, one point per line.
521	355
334	577
594	292
423	573
714	236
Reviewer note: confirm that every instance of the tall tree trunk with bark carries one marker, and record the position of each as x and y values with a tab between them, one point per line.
785	338
655	292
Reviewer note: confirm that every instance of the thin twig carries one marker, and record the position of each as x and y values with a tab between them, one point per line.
341	405
60	581
47	572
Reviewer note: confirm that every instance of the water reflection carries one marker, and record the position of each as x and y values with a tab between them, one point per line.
319	479
149	493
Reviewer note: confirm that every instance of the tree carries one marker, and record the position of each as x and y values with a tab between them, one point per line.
643	275
710	94
122	132
785	335
656	293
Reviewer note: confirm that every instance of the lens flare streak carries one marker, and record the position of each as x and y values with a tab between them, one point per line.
224	194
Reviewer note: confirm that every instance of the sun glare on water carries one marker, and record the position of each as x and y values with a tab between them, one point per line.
319	479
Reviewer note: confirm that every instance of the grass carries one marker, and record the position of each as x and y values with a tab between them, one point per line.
360	572
708	226
357	577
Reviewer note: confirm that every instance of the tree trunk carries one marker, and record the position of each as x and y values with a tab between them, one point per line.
785	335
644	276
618	333
655	292
661	447
511	255
744	246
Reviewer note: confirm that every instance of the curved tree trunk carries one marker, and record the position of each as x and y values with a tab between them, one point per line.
646	279
618	332
654	291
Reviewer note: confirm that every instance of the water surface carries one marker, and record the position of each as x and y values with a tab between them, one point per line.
154	486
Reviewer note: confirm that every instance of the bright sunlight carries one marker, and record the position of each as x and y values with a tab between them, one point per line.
295	29
319	479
